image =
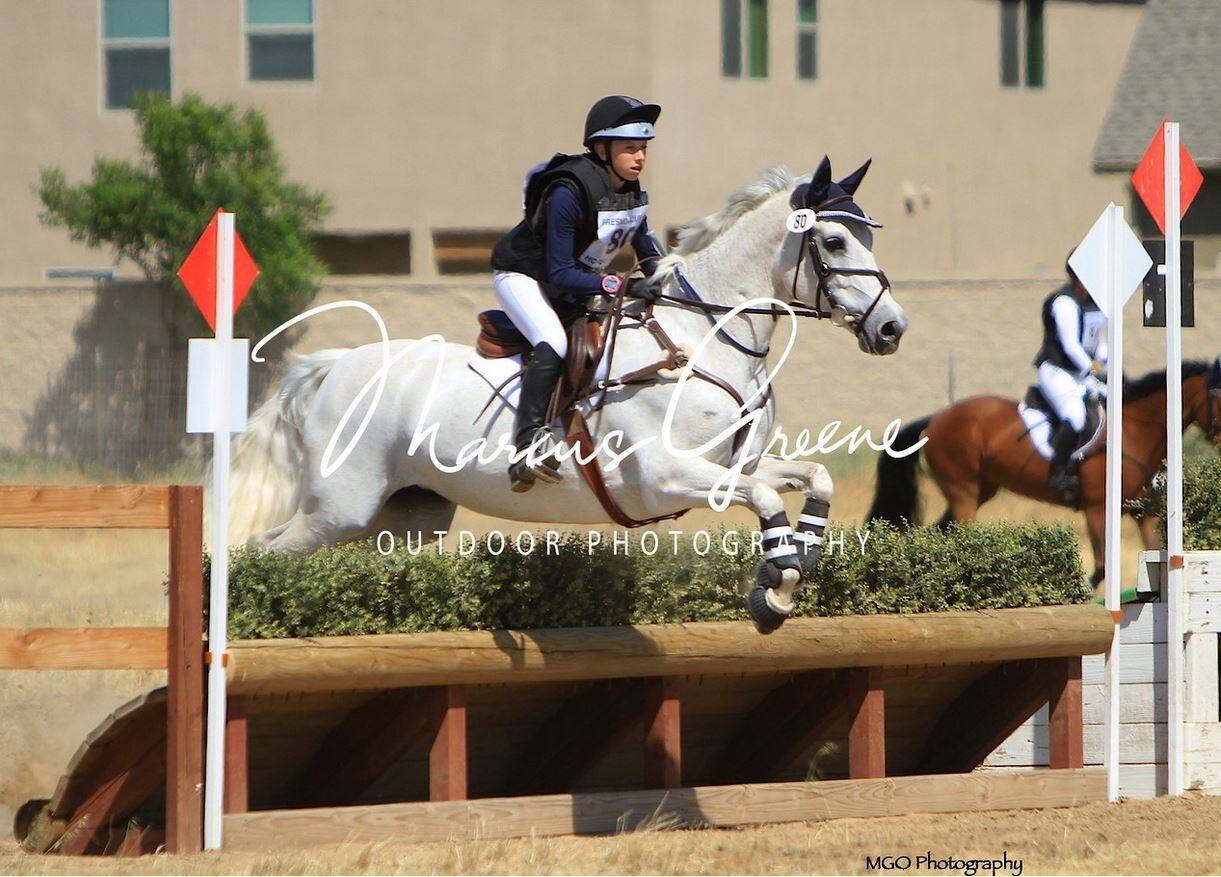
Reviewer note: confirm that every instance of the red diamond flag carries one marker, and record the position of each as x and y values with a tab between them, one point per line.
1149	178
198	272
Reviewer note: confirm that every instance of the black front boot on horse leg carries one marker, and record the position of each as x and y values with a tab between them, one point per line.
1062	481
535	458
810	528
771	600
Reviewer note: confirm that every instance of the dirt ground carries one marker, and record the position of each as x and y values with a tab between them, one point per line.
1134	837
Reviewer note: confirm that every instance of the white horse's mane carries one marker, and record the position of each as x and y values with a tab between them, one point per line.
699	233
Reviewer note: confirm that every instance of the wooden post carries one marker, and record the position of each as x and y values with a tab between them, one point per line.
184	706
237	758
663	747
447	757
867	731
1066	747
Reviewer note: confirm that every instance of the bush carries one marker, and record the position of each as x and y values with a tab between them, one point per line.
352	589
1201	504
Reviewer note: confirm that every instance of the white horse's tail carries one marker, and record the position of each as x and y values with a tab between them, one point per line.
268	458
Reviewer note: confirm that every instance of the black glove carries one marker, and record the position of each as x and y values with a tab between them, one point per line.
639	287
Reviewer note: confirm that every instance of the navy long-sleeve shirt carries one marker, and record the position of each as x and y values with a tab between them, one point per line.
564	217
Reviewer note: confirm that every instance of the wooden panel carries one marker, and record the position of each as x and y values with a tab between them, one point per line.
788	721
712	805
111	505
663	747
447	757
1205	777
1202	742
1202	689
358	751
711	648
576	735
237	757
1064	717
1143	623
1204	612
185	675
984	716
1202	572
82	648
1139	663
135	768
867	728
1138	704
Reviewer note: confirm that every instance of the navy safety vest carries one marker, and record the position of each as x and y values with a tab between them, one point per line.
1090	324
610	218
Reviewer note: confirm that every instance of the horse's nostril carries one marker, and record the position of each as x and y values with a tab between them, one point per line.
890	330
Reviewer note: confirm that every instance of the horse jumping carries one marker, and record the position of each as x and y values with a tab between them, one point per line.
780	245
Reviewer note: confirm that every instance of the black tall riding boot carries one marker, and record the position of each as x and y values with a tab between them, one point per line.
537	384
1063	445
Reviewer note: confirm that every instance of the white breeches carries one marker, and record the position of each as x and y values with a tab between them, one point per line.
523	300
1065	393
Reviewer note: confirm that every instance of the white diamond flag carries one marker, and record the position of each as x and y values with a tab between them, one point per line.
1089	261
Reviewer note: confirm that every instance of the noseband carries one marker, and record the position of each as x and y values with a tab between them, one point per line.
825	272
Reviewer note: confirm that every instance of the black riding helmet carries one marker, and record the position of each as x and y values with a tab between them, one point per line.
619	117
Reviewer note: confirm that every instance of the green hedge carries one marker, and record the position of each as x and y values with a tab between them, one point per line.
352	589
1201	504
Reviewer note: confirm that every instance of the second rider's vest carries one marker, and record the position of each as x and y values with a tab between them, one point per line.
1091	323
610	217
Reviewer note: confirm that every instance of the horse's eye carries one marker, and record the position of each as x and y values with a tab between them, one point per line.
834	243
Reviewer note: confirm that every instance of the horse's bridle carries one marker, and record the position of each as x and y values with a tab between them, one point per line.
822	271
825	272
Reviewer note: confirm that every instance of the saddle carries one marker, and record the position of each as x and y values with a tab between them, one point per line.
589	336
1094	419
499	338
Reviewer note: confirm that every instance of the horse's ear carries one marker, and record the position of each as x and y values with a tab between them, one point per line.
820	182
850	183
1214	375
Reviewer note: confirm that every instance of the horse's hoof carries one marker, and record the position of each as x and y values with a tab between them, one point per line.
767	618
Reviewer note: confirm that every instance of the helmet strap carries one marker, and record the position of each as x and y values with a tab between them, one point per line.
608	162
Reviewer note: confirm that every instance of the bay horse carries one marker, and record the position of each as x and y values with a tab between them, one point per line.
979	445
781	245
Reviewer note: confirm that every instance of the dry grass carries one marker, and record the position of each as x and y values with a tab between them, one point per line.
1137	837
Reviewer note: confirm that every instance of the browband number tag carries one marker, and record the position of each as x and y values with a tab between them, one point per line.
800	221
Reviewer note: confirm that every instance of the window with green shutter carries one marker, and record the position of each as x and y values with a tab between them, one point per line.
807	39
280	40
744	37
1023	37
135	49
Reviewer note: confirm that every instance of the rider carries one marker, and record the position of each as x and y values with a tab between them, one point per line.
580	210
1071	363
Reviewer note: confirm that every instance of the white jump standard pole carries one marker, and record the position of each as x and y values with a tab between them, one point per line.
1174	470
1114	485
218	603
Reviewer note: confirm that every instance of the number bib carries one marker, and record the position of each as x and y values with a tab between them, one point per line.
615	229
1093	325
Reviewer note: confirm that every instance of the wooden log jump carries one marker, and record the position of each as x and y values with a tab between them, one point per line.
476	657
502	733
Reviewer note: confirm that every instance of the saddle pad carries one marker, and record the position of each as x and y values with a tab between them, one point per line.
1038	427
496	371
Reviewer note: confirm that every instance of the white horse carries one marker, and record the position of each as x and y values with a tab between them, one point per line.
757	247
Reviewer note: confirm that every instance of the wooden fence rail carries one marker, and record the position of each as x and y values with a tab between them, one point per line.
176	648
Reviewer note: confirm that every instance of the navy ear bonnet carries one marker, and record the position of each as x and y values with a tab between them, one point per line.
822	190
